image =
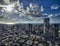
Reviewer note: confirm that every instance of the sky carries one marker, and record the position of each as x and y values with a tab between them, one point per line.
50	7
47	4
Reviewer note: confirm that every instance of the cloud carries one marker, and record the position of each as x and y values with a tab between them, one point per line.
2	2
6	1
55	6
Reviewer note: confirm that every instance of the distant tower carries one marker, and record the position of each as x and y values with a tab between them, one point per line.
46	25
56	28
30	27
46	28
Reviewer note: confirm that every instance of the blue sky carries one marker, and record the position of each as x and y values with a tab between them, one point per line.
47	10
47	5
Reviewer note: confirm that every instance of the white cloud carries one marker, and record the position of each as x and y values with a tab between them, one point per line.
55	6
42	8
7	1
51	15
